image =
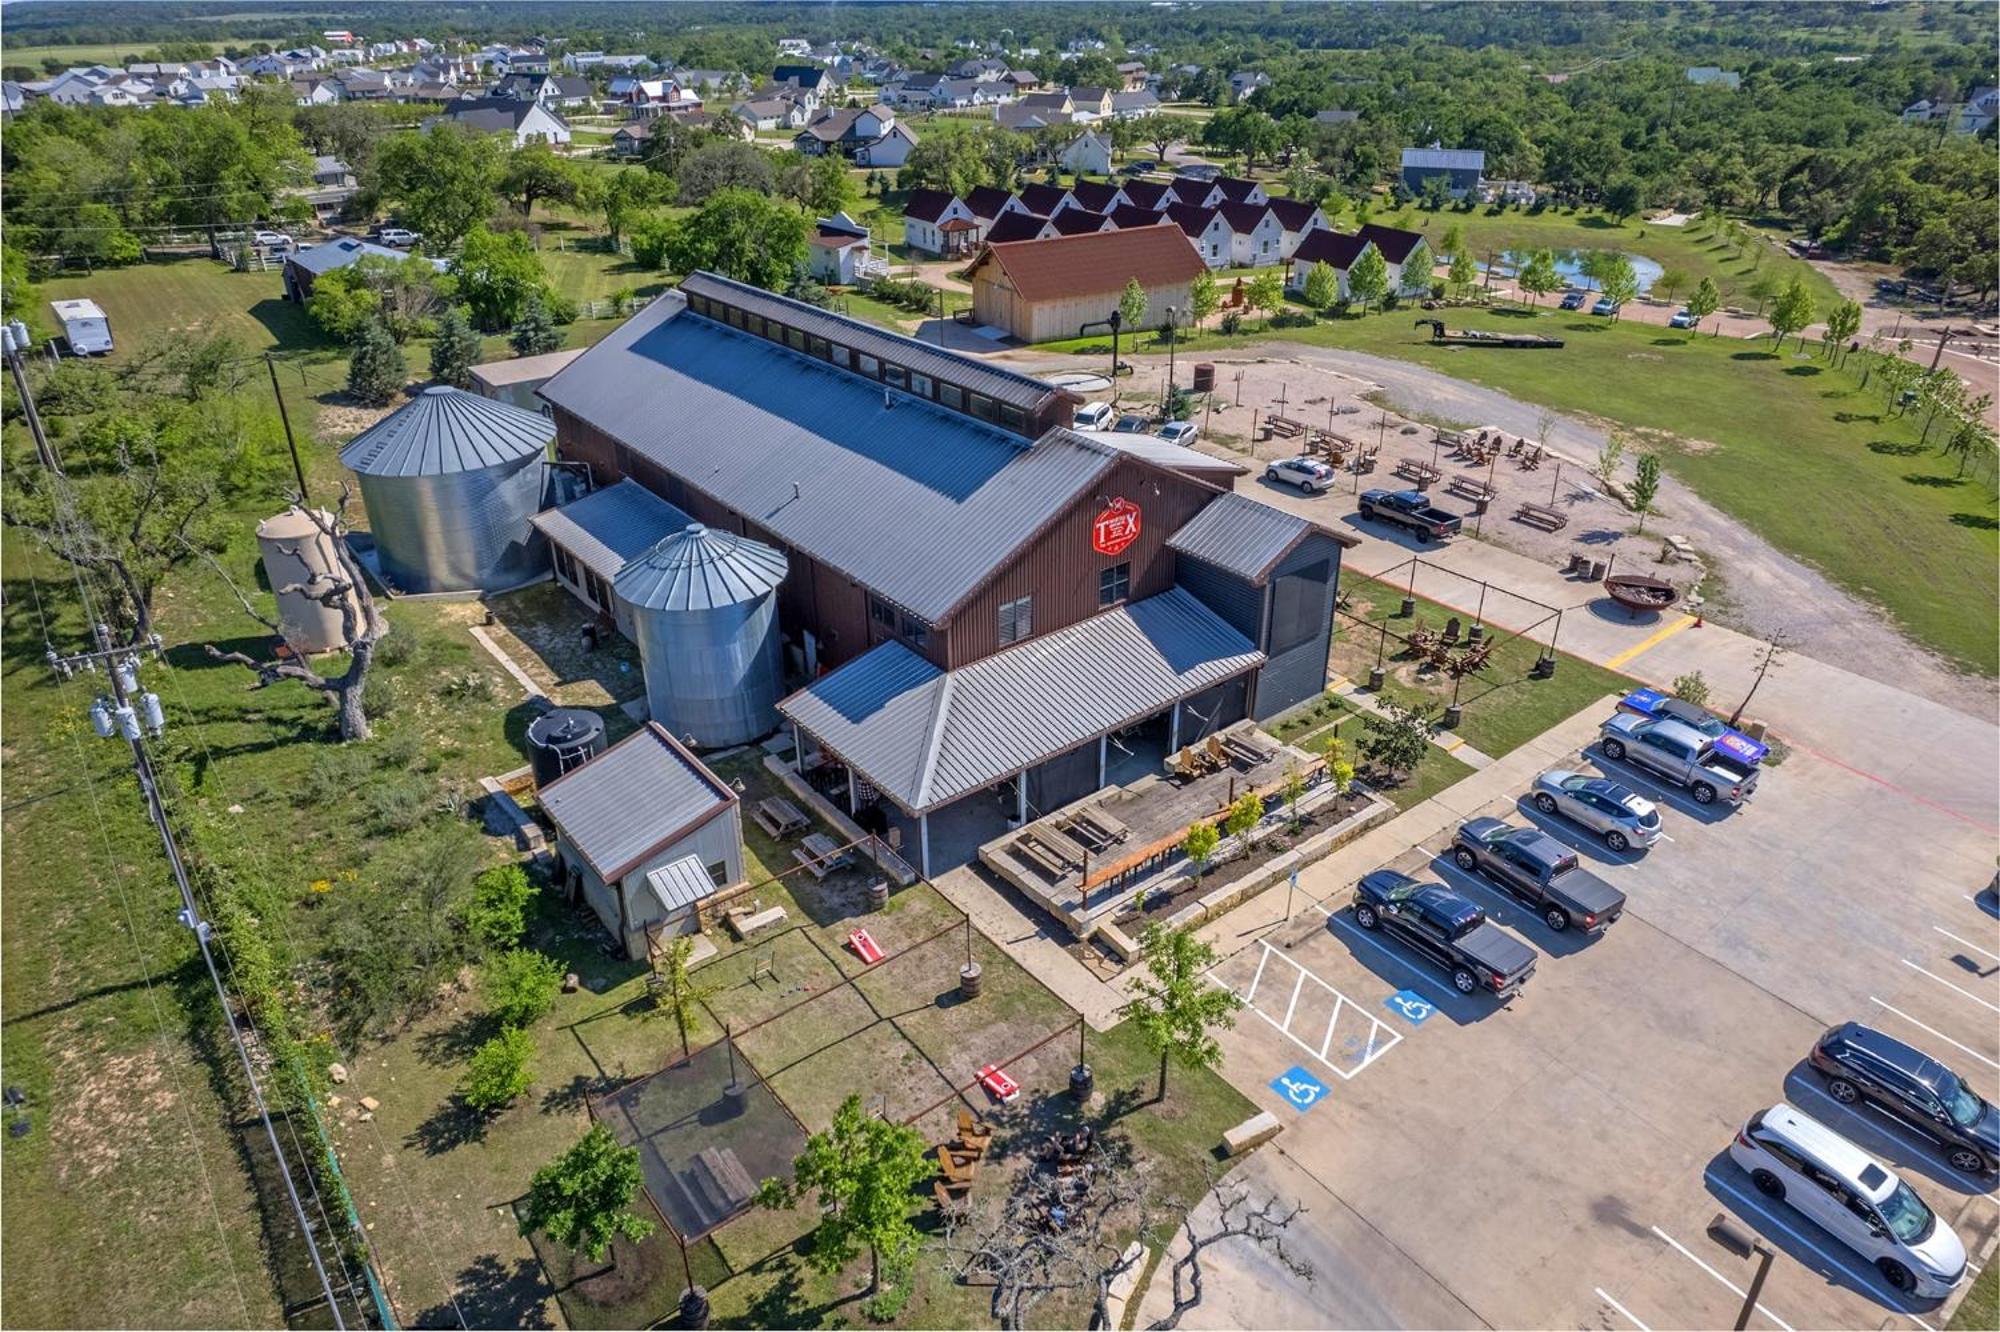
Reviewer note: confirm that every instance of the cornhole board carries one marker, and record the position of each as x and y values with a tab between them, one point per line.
865	947
1003	1088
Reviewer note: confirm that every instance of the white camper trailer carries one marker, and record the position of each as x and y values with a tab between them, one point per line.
85	329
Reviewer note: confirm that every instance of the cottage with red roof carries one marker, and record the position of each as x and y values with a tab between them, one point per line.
939	223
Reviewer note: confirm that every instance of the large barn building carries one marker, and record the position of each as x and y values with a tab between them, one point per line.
984	613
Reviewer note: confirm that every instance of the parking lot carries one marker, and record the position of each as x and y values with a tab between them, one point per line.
1557	1161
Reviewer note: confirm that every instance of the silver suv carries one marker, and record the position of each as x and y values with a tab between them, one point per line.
1618	814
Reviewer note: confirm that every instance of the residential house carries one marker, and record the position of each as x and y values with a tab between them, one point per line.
939	223
1196	193
1255	234
794	46
1398	247
838	251
1132	74
1521	192
1132	105
628	822
809	78
806	97
1246	81
1336	249
1046	200
1022	80
331	172
524	87
957	94
316	91
364	85
1207	230
773	113
632	138
1131	215
1333	116
1980	110
1088	104
1078	222
1018	226
1089	154
1152	195
701	82
989	203
1235	189
571	92
868	136
660	97
913	90
1026	119
1094	196
1462	169
429	91
1057	102
523	122
1711	76
12	98
1298	218
304	267
1044	289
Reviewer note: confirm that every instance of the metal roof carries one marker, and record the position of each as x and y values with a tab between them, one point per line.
917	502
1176	457
680	883
1446	159
1240	535
642	794
701	568
444	430
927	737
329	255
609	528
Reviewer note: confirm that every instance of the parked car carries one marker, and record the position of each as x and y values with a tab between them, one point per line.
1605	306
1864	1067
1683	318
1141	167
271	240
1179	432
1412	509
1653	703
1131	424
1199	170
1618	814
1308	474
1093	416
1572	299
1447	929
1793	1158
1891	286
1675	752
1541	872
400	238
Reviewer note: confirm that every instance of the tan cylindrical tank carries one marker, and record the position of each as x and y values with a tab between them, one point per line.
297	553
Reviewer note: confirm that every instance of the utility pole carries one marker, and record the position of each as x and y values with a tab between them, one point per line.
14	341
298	470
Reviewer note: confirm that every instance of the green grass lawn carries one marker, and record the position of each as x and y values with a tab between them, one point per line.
1979	1311
160	301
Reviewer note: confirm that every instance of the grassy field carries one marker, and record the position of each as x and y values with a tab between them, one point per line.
1782	441
1980	1309
163	300
97	53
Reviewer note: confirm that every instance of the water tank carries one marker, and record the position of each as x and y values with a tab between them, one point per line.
450	481
561	739
298	555
1204	377
705	614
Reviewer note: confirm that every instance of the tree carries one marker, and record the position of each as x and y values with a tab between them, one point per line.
405	294
1620	281
961	163
536	332
1690	688
741	235
1398	739
498	914
1173	1007
1417	267
1322	286
376	370
1645	486
440	182
1132	304
1266	291
624	197
454	350
1843	321
1199	845
1453	242
520	985
1670	281
497	272
676	993
818	185
863	1171
1704	301
1244	814
499	1071
1203	297
728	165
1624	196
583	1199
1608	459
1293	791
1368	277
1538	277
1793	311
1764	287
534	172
1463	275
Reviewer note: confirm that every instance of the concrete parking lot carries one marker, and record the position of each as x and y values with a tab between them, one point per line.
1555	1162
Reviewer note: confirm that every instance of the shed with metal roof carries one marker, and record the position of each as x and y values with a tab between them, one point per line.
592	538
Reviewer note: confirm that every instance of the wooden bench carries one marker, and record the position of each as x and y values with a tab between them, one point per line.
1471	487
1059	845
779	816
1285	426
1420	472
1028	849
1542	516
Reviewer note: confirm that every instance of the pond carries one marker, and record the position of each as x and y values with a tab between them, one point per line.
1569	263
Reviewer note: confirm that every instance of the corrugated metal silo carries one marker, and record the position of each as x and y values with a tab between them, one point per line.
450	481
298	554
706	616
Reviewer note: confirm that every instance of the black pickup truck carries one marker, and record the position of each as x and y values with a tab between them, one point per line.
1445	928
1540	871
1411	509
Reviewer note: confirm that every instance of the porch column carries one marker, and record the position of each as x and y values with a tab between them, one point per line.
924	843
798	751
1021	796
1174	731
1103	750
853	791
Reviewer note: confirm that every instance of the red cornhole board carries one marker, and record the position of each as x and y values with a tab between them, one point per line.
865	947
1003	1087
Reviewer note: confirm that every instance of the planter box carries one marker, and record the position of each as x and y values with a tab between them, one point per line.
1317	847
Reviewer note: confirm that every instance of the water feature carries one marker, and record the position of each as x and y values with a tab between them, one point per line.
1569	263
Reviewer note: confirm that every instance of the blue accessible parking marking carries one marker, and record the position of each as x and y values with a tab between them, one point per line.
1411	1005
1300	1088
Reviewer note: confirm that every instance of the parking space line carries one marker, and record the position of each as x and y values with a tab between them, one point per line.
1629	1316
1293	1006
1251	993
1375	1046
1861	1273
1690	1256
1933	1031
1967	942
1948	985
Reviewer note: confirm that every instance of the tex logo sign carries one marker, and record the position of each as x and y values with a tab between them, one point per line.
1115	528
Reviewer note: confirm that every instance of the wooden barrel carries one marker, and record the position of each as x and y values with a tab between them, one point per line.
1204	377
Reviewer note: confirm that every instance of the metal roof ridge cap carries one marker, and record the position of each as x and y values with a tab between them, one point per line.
940	710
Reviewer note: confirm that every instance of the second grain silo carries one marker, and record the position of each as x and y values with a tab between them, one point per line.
450	482
704	608
301	566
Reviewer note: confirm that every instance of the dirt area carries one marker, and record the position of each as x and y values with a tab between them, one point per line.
1763	591
541	628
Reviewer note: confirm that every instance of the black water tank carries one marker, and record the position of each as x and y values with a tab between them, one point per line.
562	739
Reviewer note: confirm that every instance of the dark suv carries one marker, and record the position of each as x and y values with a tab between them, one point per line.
1864	1067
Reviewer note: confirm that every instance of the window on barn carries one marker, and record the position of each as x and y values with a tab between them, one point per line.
1114	584
1017	619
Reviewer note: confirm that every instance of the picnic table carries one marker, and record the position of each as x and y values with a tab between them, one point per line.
1471	487
1285	426
1418	471
821	855
779	816
720	1177
1029	849
1541	515
1098	825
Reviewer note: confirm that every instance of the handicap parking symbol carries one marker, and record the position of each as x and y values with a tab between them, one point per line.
1300	1088
1411	1005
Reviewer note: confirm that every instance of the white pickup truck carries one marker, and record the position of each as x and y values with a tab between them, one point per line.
1675	752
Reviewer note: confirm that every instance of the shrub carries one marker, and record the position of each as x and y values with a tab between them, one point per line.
398	647
399	803
520	985
378	696
498	914
376	370
1292	319
1231	325
333	775
1691	688
500	1070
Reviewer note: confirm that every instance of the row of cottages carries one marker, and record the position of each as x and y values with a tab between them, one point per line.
1407	255
868	136
1232	222
981	614
1043	289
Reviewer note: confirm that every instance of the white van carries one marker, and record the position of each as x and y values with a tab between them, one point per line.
1795	1159
84	327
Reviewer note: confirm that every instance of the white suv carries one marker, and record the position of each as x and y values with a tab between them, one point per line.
1094	416
1794	1158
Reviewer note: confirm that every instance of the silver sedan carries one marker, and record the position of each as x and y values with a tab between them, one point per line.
1622	816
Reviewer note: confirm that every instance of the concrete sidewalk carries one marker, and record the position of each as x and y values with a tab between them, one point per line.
1019	935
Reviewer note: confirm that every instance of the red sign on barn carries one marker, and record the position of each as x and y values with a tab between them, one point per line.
1115	528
